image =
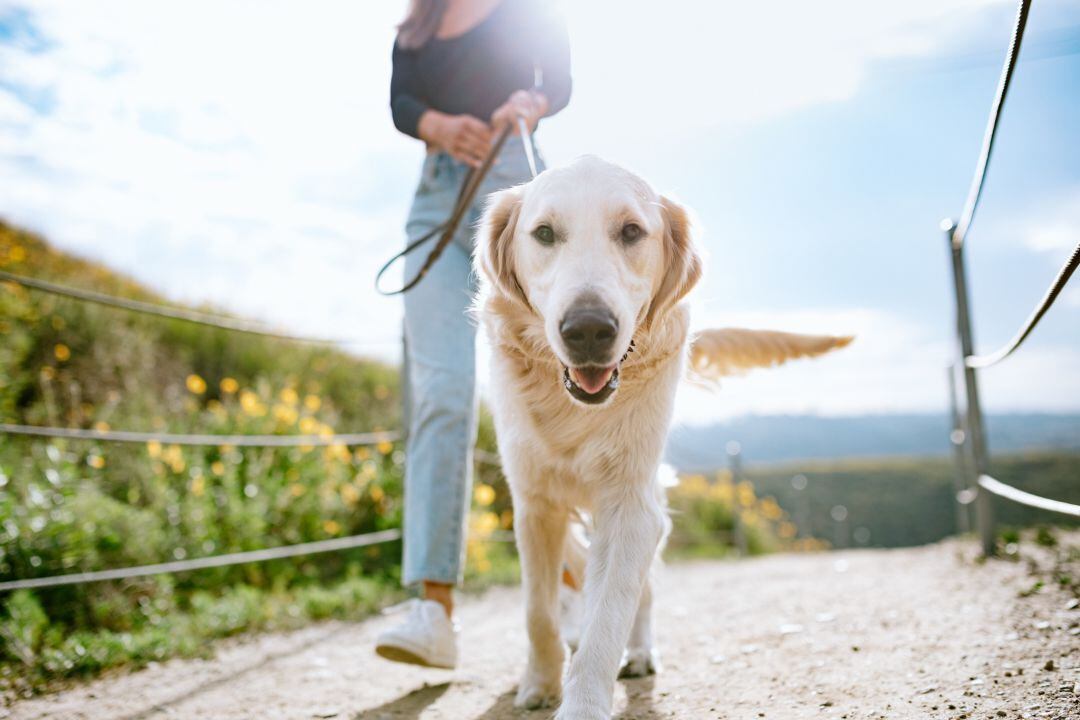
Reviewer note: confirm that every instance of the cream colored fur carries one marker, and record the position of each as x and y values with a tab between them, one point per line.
561	455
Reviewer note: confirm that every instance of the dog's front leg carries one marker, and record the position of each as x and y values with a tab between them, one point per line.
628	529
541	532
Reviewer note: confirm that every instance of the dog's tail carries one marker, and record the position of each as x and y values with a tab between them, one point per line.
732	351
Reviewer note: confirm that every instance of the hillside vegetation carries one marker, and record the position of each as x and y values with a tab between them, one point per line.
68	506
909	501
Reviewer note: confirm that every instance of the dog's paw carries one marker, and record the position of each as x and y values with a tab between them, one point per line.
572	711
533	694
640	662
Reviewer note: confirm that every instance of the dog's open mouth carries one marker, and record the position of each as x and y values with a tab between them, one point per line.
591	385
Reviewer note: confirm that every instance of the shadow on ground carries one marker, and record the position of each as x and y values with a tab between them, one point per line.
168	706
639	700
407	706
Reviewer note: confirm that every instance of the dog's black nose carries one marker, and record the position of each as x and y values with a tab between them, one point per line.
589	331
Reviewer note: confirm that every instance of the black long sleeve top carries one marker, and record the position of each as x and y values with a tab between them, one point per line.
520	42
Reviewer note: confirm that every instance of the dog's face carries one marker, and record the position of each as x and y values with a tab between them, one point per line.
597	256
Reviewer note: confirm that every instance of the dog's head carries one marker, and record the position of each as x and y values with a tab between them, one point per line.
596	256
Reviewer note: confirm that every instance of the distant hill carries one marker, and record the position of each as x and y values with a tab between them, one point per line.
786	438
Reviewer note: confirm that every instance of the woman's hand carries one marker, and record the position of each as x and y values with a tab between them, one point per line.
528	104
465	138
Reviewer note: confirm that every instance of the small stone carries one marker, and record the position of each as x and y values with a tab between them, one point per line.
1049	665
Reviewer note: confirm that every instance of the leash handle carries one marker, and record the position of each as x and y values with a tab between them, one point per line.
469	186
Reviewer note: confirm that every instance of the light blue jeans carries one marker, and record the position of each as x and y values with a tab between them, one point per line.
440	367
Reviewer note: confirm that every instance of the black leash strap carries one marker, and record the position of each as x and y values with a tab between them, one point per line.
469	186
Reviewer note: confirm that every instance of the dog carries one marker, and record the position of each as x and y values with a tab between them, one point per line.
584	271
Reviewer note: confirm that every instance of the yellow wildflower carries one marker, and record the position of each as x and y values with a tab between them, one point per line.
95	461
284	414
331	527
296	489
101	426
250	404
198	485
229	385
217	467
195	384
484	495
289	397
153	448
62	352
349	494
483	524
48	372
312	403
308	425
377	493
362	454
746	494
16	253
385	447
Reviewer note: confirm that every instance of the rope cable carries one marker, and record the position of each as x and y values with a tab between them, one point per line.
975	192
239	558
173	313
127	436
985	361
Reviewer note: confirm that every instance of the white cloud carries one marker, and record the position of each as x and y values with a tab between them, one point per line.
1056	226
649	73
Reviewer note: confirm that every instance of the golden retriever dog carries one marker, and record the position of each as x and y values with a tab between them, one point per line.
583	272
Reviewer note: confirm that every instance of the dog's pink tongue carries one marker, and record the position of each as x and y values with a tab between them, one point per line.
592	379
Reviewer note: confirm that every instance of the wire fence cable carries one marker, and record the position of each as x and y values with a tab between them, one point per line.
975	192
1025	498
173	313
240	558
1062	279
127	436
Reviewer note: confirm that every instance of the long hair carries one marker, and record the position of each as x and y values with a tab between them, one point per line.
421	23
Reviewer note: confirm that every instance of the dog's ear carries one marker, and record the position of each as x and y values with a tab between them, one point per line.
682	264
495	246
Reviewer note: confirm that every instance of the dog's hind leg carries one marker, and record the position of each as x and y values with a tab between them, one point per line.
541	532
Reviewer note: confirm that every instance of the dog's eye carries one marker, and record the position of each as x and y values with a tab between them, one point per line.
632	232
544	235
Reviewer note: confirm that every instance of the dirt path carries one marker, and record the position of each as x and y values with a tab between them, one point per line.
867	634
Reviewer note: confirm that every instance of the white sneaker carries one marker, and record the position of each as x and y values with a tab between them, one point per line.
427	637
571	614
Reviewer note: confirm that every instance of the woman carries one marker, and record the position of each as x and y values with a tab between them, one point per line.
463	69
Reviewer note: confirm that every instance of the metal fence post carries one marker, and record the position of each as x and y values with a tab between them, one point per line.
974	435
957	441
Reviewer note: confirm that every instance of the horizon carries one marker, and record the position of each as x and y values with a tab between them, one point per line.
810	150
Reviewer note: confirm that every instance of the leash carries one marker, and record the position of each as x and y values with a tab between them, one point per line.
469	187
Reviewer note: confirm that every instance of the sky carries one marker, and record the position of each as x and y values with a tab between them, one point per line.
242	154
